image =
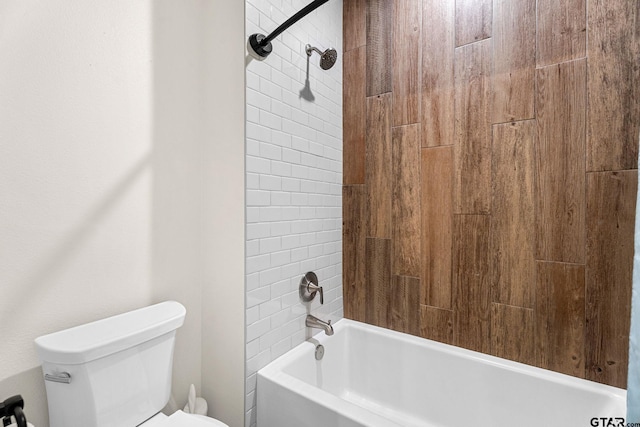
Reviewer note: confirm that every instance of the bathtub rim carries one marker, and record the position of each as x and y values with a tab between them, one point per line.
308	346
275	371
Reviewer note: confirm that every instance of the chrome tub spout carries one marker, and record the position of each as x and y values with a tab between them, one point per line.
314	322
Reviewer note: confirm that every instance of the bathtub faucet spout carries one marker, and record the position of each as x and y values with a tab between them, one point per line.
314	322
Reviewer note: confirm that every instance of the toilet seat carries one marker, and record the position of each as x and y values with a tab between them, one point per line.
181	419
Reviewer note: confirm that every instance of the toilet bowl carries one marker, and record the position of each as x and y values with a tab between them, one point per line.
115	372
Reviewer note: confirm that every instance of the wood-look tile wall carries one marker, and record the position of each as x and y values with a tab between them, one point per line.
490	155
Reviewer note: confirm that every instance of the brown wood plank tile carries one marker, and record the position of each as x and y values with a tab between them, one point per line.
614	92
379	46
378	281
436	324
353	253
561	34
560	317
560	161
583	213
404	310
513	214
354	116
378	161
514	59
437	113
610	224
354	21
437	224
471	282
472	153
407	26
512	333
473	21
406	222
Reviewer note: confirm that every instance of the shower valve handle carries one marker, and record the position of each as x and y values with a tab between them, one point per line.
315	288
309	288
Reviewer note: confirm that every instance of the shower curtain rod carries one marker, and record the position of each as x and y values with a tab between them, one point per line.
261	44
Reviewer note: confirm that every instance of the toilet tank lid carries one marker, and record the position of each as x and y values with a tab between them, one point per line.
101	338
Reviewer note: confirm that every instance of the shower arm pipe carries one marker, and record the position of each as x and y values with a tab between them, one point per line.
262	44
309	49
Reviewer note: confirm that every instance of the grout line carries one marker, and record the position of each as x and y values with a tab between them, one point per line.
513	306
405	125
514	121
560	63
612	171
577	264
473	42
437	308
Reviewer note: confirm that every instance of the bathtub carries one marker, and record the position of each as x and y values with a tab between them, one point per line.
375	377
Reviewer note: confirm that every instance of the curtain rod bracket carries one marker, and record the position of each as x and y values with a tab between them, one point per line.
261	44
255	43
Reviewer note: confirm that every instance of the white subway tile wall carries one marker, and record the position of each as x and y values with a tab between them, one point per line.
294	180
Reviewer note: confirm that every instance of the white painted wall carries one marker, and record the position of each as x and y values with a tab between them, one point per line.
223	297
294	181
104	114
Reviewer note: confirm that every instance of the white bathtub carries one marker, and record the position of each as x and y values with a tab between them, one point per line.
374	377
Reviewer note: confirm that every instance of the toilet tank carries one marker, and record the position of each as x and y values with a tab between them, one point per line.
114	372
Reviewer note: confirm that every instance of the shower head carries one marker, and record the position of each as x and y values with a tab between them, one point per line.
327	58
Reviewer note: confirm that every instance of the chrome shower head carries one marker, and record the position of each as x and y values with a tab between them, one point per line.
327	58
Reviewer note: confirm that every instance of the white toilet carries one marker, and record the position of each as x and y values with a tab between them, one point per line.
115	372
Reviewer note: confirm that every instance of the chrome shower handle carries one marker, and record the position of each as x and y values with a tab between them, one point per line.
309	287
